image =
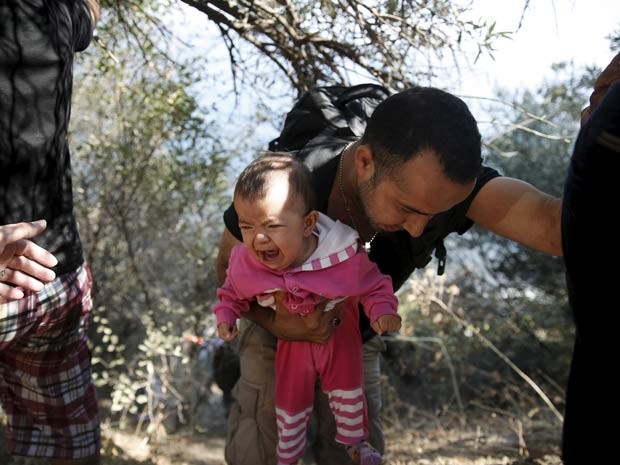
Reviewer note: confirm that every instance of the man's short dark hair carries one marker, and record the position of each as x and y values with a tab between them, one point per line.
425	118
251	183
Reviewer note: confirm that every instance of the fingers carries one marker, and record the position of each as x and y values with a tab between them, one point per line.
393	323
9	293
327	319
316	320
35	252
33	262
320	325
386	323
20	266
14	232
227	332
23	263
23	280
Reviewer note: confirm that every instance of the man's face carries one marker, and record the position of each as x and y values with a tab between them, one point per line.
411	196
275	229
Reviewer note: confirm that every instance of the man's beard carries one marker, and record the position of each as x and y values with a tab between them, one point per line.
364	194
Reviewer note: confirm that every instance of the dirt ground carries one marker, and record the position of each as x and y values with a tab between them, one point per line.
488	441
485	438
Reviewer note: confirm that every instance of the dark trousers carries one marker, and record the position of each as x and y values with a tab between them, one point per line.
591	246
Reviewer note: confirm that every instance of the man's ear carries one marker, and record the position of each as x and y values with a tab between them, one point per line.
310	222
364	163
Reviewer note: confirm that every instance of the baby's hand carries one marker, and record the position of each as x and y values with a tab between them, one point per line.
386	323
227	332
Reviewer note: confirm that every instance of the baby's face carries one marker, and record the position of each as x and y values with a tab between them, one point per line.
275	228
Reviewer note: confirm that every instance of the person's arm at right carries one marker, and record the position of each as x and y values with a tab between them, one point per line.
95	12
609	75
315	327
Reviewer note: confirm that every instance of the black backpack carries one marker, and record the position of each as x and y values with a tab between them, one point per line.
334	112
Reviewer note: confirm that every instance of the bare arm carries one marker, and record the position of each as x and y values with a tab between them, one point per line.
518	211
315	327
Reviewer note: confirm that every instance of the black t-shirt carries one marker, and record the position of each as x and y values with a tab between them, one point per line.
397	254
38	40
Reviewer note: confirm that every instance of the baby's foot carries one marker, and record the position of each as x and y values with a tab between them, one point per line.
363	453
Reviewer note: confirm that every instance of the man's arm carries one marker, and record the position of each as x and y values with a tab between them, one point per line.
315	327
518	211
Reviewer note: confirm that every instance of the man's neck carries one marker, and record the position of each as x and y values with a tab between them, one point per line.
344	203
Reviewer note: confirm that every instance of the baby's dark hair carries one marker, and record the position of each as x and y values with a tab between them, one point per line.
251	183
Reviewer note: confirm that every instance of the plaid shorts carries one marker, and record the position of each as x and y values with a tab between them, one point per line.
46	387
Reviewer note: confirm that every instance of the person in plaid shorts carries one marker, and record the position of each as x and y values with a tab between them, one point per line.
46	388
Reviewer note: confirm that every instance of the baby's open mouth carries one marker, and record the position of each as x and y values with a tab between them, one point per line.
269	255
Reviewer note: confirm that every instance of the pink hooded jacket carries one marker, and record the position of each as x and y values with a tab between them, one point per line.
338	269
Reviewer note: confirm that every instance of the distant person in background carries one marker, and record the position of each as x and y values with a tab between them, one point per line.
592	256
46	388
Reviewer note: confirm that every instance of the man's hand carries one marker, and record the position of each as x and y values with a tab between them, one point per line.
22	262
317	326
227	332
386	323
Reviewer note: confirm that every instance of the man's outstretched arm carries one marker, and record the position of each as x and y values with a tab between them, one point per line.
520	212
517	210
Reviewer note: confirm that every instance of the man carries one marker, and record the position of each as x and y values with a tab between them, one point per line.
591	257
46	387
414	177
